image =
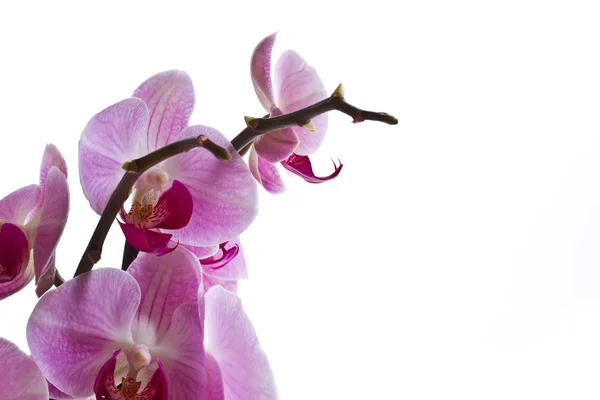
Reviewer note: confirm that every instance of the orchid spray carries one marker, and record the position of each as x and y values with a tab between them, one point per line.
169	323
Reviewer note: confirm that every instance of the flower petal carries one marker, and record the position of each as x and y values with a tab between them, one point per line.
301	166
145	240
51	158
21	377
113	136
166	282
182	353
265	173
173	209
214	388
46	279
75	328
234	270
299	86
232	341
260	70
279	145
203	252
225	195
49	223
14	260
170	99
16	206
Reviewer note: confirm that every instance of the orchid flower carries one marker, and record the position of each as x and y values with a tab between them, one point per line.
147	335
295	85
32	220
21	377
191	198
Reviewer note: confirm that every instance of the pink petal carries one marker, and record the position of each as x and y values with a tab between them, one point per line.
260	71
208	282
214	388
75	328
182	353
50	222
166	282
145	240
173	209
299	86
170	99
113	136
225	195
279	145
301	166
265	173
51	158
156	389
203	252
21	377
46	279
233	270
14	259
232	341
16	206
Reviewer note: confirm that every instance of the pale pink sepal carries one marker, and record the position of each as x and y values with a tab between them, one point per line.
169	96
21	377
232	341
166	282
113	136
298	85
50	221
265	173
260	71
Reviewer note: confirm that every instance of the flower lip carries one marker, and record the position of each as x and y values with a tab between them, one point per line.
227	255
301	166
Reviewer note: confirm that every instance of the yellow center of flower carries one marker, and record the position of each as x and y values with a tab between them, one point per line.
129	387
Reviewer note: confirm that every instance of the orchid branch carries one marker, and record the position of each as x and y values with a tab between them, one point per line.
241	143
133	170
259	126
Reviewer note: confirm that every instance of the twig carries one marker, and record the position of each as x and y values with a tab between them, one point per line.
260	126
134	169
241	143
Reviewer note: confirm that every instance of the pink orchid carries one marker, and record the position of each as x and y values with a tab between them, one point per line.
223	265
191	198
21	377
295	85
32	220
148	335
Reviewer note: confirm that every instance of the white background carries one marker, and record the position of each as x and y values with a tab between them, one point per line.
458	253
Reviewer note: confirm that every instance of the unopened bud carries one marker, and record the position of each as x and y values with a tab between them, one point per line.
310	125
339	91
130	166
251	122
